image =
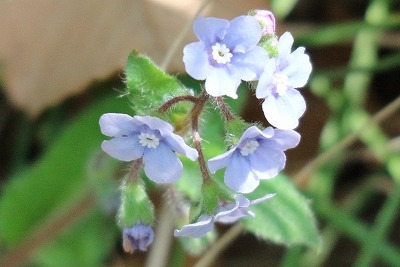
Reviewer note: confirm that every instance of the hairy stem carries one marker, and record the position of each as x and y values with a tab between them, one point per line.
134	171
196	111
224	109
176	100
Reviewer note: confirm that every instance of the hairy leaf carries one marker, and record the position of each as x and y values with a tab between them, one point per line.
286	218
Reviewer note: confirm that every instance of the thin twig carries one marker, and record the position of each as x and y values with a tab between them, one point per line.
54	226
301	177
158	255
220	245
174	47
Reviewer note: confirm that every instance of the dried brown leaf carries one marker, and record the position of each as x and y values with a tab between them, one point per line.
54	49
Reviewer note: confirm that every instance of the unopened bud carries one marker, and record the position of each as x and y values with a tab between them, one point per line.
138	237
266	20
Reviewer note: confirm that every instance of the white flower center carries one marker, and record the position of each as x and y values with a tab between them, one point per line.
281	82
249	148
149	140
221	53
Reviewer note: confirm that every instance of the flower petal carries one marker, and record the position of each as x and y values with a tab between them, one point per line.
283	111
243	34
210	30
239	176
265	84
284	47
261	199
162	165
198	229
117	124
220	82
123	148
298	69
283	140
196	60
220	161
236	212
177	144
253	132
154	123
267	163
251	64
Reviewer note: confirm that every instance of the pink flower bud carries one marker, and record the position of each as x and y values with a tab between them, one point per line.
267	21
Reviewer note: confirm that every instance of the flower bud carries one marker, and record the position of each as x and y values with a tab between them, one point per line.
138	237
266	20
135	205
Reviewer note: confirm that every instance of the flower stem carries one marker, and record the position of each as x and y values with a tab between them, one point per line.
224	108
134	171
176	100
196	111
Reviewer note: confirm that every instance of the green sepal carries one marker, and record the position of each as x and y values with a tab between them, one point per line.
149	87
213	194
135	205
234	129
270	44
195	211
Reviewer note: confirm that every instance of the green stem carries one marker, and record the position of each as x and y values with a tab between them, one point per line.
383	223
356	231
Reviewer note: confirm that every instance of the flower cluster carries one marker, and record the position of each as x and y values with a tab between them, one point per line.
227	53
149	138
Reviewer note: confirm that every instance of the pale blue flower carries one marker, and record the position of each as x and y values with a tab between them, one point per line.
227	213
257	155
226	53
283	105
137	237
147	137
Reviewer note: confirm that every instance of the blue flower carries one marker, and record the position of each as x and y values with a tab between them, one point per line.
283	104
227	213
147	137
257	155
137	237
226	54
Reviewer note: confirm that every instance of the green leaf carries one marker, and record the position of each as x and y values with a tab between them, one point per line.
149	87
29	198
286	218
